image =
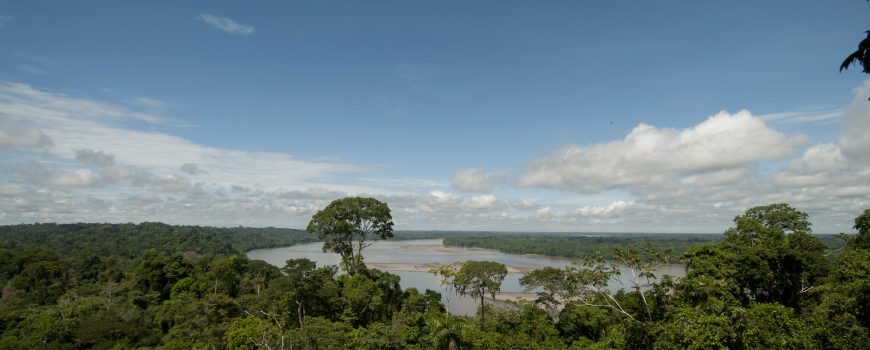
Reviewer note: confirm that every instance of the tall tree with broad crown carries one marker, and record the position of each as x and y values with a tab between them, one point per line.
479	278
348	225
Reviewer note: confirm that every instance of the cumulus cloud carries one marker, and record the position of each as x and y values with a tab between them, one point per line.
470	180
649	154
611	209
98	158
451	203
524	204
15	135
484	201
855	138
226	24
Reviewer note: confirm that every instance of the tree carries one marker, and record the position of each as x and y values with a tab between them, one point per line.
299	274
447	273
551	282
349	223
861	55
254	332
479	278
862	224
587	281
774	266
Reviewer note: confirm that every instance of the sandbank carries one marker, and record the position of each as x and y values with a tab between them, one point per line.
429	266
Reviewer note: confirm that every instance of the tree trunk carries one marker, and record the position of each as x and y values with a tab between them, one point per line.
300	312
482	310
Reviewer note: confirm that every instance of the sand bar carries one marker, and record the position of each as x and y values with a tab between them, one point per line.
429	266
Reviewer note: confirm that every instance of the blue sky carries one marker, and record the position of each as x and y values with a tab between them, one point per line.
508	115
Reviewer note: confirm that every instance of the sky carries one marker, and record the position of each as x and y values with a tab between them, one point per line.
564	116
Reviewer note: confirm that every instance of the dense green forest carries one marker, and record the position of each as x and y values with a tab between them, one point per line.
767	283
578	246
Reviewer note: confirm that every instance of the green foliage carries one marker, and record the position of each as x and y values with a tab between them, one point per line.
693	328
572	246
779	216
586	282
377	336
127	241
362	299
772	326
252	333
768	284
551	282
862	224
526	325
577	320
479	278
320	333
861	56
777	260
350	223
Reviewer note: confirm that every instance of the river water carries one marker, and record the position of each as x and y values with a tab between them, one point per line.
428	251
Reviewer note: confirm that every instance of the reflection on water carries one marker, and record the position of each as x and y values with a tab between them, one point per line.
427	251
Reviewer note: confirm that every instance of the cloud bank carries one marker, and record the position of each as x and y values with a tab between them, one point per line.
68	159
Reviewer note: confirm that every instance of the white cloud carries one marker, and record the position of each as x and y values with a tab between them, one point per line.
453	204
75	178
98	158
694	179
819	158
483	201
855	137
129	167
147	102
75	124
226	24
470	180
170	183
189	168
524	204
19	135
611	209
817	116
25	102
650	155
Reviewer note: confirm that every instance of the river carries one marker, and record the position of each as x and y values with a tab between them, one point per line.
411	259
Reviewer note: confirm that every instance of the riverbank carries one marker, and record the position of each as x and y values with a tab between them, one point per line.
429	266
